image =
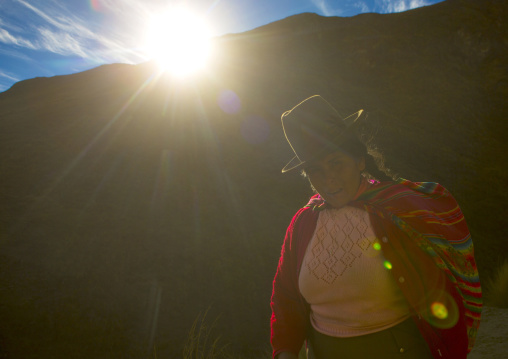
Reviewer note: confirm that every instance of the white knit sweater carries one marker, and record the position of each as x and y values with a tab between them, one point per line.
345	278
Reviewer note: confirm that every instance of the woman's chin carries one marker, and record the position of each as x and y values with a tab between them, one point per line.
338	199
336	202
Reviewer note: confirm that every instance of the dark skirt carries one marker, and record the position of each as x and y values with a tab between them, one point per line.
401	341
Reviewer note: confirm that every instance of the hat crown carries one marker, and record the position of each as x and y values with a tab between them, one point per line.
312	128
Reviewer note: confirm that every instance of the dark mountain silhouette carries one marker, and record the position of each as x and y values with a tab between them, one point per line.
131	202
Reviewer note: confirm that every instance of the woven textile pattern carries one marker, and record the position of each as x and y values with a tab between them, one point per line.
342	236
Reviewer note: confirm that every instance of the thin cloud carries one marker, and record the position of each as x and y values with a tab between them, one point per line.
7	38
61	43
41	13
325	9
8	76
128	8
10	51
390	6
6	80
362	6
68	35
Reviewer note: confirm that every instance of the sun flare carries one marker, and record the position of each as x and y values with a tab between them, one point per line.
179	41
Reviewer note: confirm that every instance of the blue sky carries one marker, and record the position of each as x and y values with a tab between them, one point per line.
56	37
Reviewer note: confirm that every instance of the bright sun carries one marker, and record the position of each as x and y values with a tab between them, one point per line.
179	41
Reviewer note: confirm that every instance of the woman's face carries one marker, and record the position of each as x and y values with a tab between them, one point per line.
336	177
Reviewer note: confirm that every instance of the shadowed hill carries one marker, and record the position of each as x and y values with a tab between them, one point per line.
131	202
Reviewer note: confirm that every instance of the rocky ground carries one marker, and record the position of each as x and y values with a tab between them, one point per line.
492	341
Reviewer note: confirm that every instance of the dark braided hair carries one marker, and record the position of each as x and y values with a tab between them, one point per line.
375	166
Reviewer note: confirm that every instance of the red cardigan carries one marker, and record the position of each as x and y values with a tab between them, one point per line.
421	282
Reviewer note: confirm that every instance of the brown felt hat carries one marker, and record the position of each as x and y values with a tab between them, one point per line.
314	128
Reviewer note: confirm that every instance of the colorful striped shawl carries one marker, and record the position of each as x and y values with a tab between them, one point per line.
429	214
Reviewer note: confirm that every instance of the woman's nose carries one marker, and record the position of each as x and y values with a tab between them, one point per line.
330	175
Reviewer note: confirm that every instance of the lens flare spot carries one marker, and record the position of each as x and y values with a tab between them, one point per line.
229	102
443	311
372	247
96	5
387	265
439	310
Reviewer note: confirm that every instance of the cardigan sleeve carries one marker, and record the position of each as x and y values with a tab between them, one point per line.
289	311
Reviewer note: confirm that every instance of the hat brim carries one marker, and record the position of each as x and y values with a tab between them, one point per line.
351	123
294	164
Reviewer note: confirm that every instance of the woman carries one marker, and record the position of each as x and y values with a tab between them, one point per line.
369	269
